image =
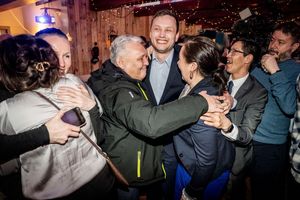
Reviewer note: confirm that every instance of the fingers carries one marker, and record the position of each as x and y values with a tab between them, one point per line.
59	131
221	98
218	108
74	132
207	118
84	90
203	93
59	114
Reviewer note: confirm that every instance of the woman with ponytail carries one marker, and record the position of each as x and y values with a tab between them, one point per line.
205	156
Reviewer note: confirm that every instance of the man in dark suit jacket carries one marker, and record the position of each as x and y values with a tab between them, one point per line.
163	81
250	98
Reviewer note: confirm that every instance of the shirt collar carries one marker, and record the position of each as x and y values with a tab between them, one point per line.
238	82
168	59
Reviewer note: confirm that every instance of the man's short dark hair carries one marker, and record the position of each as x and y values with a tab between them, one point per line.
249	47
164	13
50	31
290	28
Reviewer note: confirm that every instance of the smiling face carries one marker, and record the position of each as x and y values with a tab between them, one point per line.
282	45
134	63
237	63
62	48
163	33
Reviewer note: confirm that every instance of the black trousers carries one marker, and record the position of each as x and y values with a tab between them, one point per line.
268	170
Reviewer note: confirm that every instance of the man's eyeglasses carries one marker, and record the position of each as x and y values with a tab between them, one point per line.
234	51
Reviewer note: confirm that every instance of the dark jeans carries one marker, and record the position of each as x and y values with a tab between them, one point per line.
268	170
170	164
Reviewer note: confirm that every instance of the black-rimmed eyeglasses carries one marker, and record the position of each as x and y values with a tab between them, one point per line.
234	51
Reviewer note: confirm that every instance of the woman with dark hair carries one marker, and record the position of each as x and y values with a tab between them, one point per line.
70	171
205	155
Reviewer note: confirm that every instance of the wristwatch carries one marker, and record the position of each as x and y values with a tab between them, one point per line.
229	129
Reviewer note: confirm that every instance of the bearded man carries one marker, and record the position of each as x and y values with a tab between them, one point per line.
278	75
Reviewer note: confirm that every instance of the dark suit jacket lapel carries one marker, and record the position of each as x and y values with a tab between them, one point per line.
247	85
174	84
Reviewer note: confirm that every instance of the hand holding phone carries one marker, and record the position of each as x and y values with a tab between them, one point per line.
74	117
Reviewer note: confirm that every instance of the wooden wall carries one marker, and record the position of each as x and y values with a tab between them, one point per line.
87	27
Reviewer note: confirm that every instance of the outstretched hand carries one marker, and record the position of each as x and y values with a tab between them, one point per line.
76	97
217	120
59	131
214	104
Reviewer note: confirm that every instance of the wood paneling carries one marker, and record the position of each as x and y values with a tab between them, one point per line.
87	27
10	4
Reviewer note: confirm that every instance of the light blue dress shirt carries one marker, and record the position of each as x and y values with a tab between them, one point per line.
159	74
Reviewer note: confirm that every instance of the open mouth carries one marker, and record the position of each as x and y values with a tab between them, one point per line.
229	62
162	41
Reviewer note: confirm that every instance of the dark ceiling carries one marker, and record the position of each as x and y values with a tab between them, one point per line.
208	13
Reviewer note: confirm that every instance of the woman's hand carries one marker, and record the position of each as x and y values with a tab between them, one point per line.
75	97
59	131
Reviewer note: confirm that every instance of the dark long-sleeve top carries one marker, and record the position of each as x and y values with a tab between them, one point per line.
203	150
12	146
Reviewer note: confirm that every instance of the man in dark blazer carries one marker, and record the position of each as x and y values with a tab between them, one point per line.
250	98
163	81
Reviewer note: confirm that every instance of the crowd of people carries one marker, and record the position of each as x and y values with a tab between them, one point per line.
175	121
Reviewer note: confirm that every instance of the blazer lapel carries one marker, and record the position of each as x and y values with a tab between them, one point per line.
247	85
174	83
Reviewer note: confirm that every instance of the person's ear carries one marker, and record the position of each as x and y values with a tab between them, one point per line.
177	36
249	58
120	62
193	66
295	46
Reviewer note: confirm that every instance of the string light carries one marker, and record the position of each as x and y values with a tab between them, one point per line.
190	17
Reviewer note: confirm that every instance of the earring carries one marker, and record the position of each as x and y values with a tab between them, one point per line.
191	75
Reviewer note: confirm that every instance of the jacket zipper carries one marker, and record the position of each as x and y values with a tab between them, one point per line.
143	92
139	164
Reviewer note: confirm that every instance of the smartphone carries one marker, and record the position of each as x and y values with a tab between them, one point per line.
74	117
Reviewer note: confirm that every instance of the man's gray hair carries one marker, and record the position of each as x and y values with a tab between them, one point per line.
118	46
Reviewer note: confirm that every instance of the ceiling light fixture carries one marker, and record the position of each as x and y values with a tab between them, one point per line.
45	18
